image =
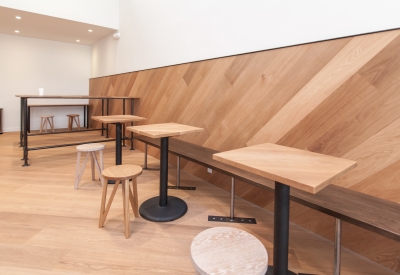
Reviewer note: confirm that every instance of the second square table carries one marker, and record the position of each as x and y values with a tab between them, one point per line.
163	208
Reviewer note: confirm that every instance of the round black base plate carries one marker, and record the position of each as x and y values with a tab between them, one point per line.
270	271
152	211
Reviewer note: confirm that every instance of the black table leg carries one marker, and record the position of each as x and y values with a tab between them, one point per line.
163	208
118	147
281	230
29	119
132	111
21	116
102	113
25	130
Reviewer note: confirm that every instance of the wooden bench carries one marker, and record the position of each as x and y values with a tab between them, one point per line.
371	213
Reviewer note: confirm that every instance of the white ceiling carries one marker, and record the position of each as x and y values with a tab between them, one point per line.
50	28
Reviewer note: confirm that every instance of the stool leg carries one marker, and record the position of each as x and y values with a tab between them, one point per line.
41	125
134	198
98	167
109	202
103	205
52	124
92	164
45	125
78	162
79	124
69	123
125	197
81	170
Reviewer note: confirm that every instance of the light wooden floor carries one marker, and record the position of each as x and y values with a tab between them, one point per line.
47	227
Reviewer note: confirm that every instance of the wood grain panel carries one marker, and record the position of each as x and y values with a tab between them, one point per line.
338	97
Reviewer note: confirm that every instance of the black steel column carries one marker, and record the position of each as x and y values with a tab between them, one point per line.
25	127
107	115
29	119
102	113
118	145
21	116
84	116
132	109
164	172
87	116
123	129
281	228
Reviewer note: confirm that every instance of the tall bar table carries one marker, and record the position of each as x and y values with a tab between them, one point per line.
288	167
24	119
118	120
163	208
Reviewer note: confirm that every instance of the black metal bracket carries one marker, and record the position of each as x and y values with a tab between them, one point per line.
182	187
231	220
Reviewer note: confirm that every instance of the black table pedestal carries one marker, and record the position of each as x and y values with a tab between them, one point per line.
281	230
118	147
163	208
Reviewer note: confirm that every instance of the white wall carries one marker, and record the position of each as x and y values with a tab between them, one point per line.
157	33
97	12
27	64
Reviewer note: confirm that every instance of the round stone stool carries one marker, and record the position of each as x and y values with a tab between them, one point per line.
228	250
121	173
91	149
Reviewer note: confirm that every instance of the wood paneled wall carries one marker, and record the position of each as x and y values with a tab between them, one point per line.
338	97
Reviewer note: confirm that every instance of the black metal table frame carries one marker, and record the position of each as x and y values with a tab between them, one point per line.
163	208
24	126
85	113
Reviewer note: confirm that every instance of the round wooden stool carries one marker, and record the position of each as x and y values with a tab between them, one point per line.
43	123
228	250
71	119
91	149
121	173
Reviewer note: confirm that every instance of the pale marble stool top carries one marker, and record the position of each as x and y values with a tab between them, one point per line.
228	250
89	147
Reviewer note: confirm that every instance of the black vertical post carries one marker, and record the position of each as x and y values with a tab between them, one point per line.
123	129
21	116
132	106
107	115
84	116
118	147
164	172
102	113
25	127
29	119
281	228
87	116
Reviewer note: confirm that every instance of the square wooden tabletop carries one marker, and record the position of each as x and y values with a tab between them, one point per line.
301	169
117	118
163	130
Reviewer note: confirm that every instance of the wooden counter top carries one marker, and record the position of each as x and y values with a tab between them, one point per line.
117	118
76	96
297	168
163	130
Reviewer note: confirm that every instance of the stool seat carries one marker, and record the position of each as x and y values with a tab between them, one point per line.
46	116
90	147
121	173
228	250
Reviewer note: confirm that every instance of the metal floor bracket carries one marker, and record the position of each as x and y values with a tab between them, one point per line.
231	220
182	187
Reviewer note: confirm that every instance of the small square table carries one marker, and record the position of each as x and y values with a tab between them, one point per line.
163	208
118	120
288	167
